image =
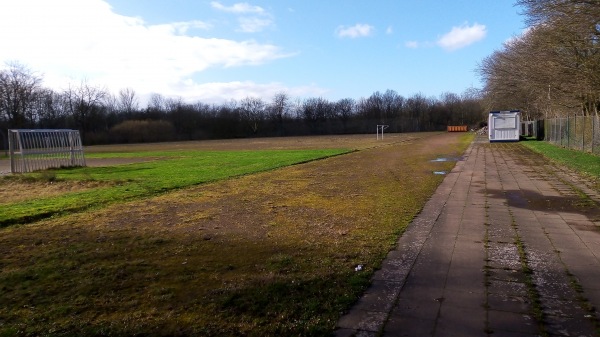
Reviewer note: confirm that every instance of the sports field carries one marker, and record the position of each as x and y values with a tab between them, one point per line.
242	237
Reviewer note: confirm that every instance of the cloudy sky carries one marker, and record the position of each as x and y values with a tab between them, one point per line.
214	51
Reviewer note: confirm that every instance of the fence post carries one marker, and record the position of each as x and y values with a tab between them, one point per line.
568	122
583	135
560	120
558	130
11	151
562	132
594	120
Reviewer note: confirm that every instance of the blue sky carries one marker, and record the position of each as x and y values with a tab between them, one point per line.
214	51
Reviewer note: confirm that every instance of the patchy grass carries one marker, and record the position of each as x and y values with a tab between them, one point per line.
267	254
581	161
164	172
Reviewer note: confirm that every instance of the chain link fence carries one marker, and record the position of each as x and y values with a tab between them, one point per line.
578	133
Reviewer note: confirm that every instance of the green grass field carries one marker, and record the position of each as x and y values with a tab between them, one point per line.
165	171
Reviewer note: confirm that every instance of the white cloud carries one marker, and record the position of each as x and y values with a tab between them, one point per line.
238	8
220	92
253	24
181	28
71	40
462	36
389	30
252	19
358	30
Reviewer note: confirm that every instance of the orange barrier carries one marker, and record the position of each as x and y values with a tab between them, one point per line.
457	128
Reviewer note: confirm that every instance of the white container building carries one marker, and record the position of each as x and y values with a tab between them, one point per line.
504	126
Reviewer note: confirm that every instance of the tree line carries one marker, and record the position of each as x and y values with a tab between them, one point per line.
102	117
553	69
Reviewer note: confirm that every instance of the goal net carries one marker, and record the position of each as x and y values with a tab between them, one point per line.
40	149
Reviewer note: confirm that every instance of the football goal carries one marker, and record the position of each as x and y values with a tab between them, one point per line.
40	149
380	129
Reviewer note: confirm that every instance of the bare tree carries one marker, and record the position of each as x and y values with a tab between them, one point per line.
82	102
49	107
344	109
471	104
316	112
554	68
252	112
128	101
278	109
157	102
18	87
451	109
392	104
372	108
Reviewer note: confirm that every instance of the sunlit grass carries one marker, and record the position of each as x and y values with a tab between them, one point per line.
581	161
163	172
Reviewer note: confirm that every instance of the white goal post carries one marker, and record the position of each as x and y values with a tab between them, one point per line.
39	149
380	129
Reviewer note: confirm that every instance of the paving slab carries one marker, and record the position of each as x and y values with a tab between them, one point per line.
504	247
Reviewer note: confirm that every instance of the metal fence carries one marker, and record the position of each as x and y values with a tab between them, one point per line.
32	150
579	132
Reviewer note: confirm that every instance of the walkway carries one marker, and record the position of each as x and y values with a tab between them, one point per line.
507	246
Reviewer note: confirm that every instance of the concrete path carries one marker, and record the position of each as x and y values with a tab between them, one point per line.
507	246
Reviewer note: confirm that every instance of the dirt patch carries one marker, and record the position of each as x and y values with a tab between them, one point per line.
322	199
14	190
274	143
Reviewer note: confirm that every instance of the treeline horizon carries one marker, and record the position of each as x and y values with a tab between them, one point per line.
104	118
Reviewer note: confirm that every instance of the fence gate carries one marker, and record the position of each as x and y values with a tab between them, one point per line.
40	149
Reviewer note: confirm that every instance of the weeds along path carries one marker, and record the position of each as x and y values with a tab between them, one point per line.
273	253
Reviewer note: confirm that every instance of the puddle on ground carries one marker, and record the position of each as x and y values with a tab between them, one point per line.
535	201
443	160
441	173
